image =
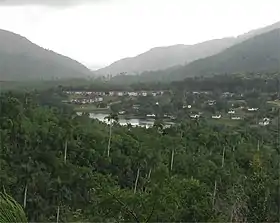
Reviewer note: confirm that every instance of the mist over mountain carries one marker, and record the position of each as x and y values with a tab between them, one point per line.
20	59
161	58
259	54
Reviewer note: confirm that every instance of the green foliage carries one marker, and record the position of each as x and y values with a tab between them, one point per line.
10	210
51	159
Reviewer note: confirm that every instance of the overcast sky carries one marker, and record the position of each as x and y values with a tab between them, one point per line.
98	32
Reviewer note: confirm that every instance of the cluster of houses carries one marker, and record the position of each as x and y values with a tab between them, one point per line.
116	93
85	100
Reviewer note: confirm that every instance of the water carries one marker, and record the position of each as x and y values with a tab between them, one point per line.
124	121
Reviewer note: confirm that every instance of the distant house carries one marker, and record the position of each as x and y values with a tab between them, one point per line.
122	112
264	122
231	112
99	99
151	115
120	94
187	106
144	94
154	94
216	116
211	102
253	109
133	94
195	116
111	93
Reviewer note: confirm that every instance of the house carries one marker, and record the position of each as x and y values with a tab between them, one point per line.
122	112
231	112
111	93
99	99
236	118
264	122
154	94
120	94
132	94
211	102
144	94
253	109
157	103
151	115
195	116
216	116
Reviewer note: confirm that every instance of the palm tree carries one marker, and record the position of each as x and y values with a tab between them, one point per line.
112	117
10	210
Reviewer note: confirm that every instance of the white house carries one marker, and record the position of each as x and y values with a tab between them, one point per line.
195	116
120	94
231	112
151	115
211	102
122	112
253	109
144	94
99	99
133	94
264	122
216	116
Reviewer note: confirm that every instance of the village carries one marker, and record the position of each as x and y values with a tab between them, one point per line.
226	107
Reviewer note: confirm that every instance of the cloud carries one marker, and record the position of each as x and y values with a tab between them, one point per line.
54	3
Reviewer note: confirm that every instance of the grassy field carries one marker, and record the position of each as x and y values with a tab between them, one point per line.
224	121
90	108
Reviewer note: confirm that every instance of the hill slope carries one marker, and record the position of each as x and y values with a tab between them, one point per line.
258	54
160	58
20	59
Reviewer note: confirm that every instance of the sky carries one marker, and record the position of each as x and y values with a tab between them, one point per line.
99	32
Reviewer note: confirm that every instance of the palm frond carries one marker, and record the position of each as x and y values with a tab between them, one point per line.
10	210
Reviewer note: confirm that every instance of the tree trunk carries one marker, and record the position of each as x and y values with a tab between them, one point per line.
223	158
136	180
258	145
109	141
214	194
57	214
149	174
25	196
65	150
172	160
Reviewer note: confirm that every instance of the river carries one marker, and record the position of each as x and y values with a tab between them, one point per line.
124	121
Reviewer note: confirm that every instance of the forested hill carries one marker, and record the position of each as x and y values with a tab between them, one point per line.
255	55
20	59
57	166
258	54
160	58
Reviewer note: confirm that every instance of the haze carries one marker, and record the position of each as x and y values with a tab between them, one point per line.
99	32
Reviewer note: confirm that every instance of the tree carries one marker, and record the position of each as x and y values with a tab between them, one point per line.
112	117
10	210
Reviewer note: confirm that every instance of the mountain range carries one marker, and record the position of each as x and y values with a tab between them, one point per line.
255	51
162	58
20	59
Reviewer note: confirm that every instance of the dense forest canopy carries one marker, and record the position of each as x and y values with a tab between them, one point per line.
64	167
